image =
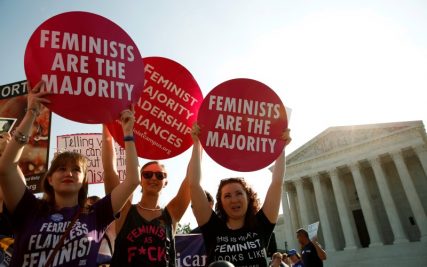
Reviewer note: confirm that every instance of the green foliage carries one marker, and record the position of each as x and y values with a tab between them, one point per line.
183	228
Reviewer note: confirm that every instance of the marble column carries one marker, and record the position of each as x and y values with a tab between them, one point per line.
293	208
343	211
421	152
411	193
365	203
289	232
323	214
302	204
389	205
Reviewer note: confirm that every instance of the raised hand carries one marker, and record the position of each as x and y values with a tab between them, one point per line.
286	137
127	119
195	132
36	97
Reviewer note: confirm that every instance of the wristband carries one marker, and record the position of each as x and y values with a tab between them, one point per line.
128	138
21	138
33	110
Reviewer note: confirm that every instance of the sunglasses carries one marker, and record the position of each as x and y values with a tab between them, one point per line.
149	174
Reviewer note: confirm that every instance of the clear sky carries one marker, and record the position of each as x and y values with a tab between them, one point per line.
333	62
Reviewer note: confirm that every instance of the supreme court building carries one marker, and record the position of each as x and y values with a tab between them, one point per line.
367	185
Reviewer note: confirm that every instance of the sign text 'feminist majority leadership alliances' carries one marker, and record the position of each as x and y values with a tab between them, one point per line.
166	110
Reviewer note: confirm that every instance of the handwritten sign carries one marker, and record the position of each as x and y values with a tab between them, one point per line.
242	121
90	145
90	65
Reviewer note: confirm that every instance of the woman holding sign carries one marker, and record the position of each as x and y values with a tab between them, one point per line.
58	231
239	230
145	231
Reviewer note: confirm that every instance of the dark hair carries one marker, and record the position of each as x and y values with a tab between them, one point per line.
253	201
62	159
303	232
209	196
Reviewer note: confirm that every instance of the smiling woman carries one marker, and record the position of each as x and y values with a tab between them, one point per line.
239	230
58	230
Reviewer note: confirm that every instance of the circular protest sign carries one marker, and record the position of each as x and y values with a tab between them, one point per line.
91	66
241	124
165	112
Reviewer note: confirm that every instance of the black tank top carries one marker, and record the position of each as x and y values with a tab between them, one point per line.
145	243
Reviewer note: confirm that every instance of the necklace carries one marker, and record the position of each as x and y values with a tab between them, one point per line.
144	208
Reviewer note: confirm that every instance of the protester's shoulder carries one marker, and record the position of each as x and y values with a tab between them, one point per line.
214	223
262	218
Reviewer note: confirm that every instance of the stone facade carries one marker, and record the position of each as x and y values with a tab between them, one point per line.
366	184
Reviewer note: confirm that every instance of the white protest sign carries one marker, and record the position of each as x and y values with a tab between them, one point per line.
90	145
312	230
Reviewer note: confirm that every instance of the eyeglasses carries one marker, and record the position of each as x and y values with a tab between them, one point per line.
149	174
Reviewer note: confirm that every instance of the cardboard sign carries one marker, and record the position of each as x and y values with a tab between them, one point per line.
242	122
90	145
312	230
90	65
165	112
35	157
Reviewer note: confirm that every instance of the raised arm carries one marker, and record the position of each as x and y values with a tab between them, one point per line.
124	190
179	204
320	251
4	139
199	202
111	177
11	177
274	194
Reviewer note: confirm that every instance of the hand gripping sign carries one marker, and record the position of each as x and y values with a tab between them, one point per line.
165	112
90	65
241	123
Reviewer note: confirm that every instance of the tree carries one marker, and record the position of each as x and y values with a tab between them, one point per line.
183	228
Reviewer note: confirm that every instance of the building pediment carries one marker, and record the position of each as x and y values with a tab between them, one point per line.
342	137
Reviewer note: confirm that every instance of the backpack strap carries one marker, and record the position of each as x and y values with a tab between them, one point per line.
61	241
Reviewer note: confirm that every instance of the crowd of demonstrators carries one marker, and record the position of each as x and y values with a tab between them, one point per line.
286	260
239	229
277	260
295	258
6	236
6	232
68	228
312	253
145	231
57	230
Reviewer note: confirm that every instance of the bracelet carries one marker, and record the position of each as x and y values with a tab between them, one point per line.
33	110
21	138
127	138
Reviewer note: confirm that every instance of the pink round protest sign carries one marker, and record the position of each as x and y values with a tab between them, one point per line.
91	67
241	124
166	111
